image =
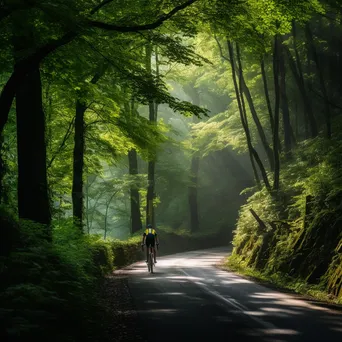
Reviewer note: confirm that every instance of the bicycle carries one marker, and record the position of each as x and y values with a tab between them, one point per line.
150	261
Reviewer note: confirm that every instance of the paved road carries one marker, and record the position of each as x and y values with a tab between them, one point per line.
189	299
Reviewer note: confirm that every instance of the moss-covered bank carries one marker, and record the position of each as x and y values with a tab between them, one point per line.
295	235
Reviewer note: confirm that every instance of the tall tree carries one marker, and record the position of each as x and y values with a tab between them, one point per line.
283	99
241	111
136	223
150	216
78	156
254	152
301	83
33	199
194	171
313	55
267	94
276	49
254	113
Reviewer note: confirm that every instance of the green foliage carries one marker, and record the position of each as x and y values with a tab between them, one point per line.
278	280
221	131
126	252
90	255
254	23
46	285
102	256
303	223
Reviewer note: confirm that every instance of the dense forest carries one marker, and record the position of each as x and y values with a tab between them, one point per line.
213	120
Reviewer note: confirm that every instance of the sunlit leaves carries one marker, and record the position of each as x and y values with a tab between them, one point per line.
253	23
219	132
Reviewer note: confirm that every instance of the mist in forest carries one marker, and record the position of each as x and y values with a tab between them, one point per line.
220	176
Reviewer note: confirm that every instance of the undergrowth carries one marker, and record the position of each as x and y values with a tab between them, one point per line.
280	281
49	288
300	244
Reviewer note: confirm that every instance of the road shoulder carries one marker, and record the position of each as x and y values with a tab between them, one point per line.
222	265
121	320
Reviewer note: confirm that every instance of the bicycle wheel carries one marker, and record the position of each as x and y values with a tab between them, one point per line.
151	263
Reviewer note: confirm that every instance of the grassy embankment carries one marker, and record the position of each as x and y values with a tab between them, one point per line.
297	242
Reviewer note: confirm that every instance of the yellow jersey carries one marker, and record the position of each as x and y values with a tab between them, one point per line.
150	231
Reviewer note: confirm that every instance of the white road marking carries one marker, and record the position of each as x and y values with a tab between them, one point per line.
234	303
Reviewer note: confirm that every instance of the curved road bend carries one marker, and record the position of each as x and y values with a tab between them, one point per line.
189	299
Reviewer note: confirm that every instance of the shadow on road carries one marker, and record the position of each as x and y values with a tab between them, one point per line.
188	298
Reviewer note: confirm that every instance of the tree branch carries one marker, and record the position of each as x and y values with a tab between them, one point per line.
221	50
61	146
24	66
21	69
157	23
261	223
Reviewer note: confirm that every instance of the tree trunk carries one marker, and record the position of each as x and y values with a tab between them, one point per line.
241	111
105	223
267	95
93	209
301	85
27	65
150	215
2	169
192	193
276	114
261	223
194	168
87	205
249	139
136	223
157	75
78	157
297	121
106	215
78	163
245	89
312	49
150	219
242	86
283	99
33	198
305	99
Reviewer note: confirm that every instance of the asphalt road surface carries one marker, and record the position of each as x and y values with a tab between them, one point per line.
189	299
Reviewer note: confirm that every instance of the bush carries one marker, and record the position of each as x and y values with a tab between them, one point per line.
103	257
171	241
48	289
126	252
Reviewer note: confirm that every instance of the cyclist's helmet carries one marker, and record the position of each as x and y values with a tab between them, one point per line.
149	226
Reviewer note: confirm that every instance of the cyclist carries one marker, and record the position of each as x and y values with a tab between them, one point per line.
150	238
